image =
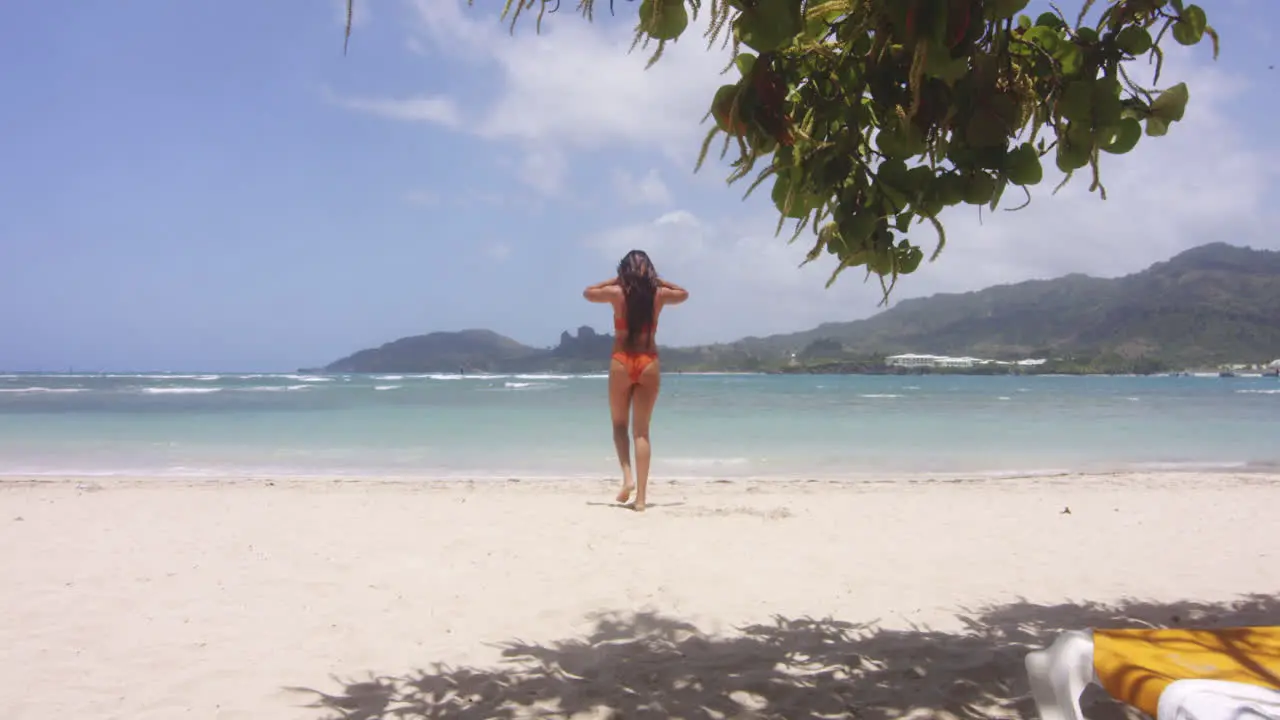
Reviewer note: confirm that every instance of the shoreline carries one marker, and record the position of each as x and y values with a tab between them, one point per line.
226	599
1194	474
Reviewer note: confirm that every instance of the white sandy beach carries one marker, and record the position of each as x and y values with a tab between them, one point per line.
159	598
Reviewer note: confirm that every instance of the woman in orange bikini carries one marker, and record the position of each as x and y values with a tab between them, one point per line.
637	295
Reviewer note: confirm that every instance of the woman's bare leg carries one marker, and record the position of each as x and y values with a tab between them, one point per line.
644	397
619	405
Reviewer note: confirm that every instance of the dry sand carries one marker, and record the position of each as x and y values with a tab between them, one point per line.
147	599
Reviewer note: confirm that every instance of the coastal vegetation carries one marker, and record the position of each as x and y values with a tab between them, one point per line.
1211	305
866	119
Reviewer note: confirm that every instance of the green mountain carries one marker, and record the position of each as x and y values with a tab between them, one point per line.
436	352
1212	304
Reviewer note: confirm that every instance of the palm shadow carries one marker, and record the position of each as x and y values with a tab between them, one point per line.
654	666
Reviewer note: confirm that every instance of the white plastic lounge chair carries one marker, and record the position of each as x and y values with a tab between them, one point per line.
1169	674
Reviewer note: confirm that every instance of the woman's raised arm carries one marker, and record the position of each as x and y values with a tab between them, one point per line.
601	292
672	294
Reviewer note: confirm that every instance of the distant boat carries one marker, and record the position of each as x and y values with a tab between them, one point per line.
1273	372
1226	373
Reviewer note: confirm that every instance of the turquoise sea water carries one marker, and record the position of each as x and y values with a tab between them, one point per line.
556	426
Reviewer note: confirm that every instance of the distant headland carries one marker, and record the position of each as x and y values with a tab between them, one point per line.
1216	306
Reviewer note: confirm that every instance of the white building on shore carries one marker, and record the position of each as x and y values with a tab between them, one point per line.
914	360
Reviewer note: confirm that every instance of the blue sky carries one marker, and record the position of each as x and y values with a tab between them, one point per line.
214	186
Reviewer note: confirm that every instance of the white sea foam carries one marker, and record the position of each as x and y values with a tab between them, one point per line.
1004	397
1270	391
388	377
544	377
517	385
879	395
707	462
386	387
180	390
1200	465
33	390
726	372
158	376
273	388
469	376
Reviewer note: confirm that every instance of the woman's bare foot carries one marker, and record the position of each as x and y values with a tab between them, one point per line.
625	494
638	506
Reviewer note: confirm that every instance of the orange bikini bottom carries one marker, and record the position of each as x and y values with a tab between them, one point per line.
634	362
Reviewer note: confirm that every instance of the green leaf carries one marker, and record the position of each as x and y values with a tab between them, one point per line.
1126	135
1185	34
909	259
1045	37
1156	127
1070	56
745	61
769	25
1049	20
1107	106
1022	166
1134	40
996	195
1170	105
1195	17
663	19
1076	101
1190	27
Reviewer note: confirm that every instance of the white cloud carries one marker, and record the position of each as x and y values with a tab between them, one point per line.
579	87
573	87
643	190
433	109
544	169
457	29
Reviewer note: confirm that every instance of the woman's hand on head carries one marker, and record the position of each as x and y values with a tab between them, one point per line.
602	292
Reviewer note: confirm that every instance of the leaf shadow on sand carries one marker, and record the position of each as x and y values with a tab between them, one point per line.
654	666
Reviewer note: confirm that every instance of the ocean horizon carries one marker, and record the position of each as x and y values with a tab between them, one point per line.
556	426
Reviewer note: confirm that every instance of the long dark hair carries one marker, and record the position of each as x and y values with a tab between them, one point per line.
639	280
